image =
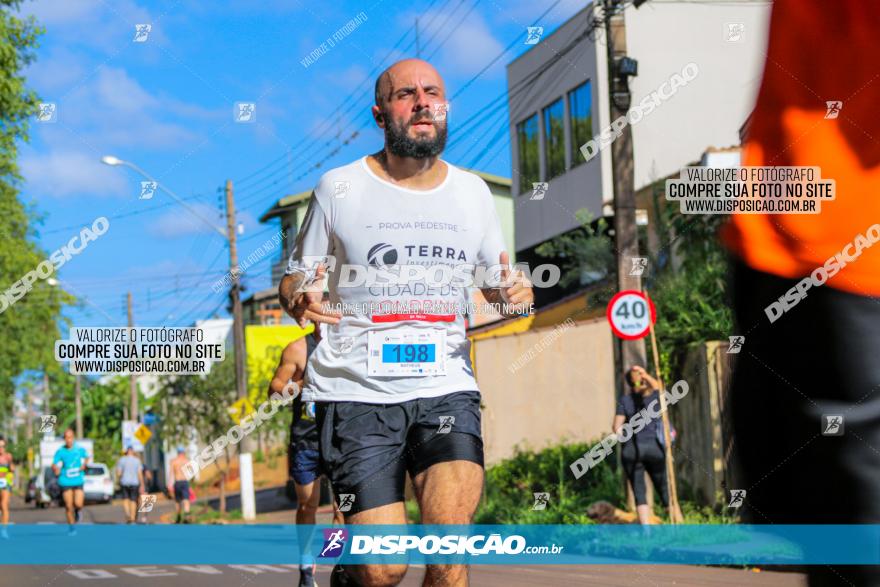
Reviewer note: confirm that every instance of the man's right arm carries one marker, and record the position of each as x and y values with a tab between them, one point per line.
312	242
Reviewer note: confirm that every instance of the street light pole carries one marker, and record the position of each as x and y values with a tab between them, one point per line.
113	161
131	380
248	500
245	462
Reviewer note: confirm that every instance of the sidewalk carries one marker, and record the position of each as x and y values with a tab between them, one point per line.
272	507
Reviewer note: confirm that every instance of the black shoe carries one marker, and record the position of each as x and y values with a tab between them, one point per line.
78	516
339	578
307	576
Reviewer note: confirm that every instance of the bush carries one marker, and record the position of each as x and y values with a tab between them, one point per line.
511	484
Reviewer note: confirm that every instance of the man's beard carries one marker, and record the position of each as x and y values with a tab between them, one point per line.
402	145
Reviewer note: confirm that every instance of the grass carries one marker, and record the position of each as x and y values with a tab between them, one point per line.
208	515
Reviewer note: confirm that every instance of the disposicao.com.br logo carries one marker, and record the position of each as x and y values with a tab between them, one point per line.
476	545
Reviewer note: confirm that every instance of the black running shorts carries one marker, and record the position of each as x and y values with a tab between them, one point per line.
130	492
367	449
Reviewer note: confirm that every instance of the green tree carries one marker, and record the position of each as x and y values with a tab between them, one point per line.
196	408
691	293
103	405
582	252
32	322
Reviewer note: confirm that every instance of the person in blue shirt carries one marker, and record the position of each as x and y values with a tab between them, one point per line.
69	465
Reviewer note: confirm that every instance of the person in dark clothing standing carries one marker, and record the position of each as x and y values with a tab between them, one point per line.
646	450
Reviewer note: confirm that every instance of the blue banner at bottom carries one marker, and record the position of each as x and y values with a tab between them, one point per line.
421	544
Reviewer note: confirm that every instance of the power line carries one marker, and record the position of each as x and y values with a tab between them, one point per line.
118	216
306	149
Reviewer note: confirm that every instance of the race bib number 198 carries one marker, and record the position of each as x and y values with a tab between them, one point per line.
406	353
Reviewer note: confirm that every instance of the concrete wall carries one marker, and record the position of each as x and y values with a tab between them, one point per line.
709	110
564	393
581	185
663	36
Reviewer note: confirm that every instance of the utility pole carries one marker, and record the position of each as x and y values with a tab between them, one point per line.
418	46
79	407
29	430
28	419
235	294
131	379
626	240
46	393
245	463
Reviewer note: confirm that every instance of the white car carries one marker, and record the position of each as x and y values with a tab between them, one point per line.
98	485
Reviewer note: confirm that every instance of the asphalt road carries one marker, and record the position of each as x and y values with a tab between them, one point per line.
286	575
488	576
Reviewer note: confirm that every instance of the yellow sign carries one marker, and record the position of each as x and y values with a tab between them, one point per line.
264	346
241	409
143	434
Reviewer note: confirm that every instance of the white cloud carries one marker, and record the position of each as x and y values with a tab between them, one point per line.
351	78
180	222
470	47
58	70
52	12
64	173
114	110
108	26
525	12
114	89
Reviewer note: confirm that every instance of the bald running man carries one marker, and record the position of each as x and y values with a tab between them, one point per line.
394	389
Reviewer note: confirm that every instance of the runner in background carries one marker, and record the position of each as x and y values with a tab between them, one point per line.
69	465
129	471
6	475
820	358
180	489
304	455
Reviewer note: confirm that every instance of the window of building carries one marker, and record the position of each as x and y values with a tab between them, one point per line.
580	110
527	143
554	139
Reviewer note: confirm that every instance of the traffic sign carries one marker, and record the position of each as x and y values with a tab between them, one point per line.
143	434
631	314
241	409
129	436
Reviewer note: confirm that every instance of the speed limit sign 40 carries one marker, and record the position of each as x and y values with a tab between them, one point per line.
631	314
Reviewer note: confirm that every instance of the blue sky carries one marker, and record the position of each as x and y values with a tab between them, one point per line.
167	105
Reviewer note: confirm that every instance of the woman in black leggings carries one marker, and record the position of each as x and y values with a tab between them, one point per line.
645	450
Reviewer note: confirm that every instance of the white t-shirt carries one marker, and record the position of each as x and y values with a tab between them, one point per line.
360	219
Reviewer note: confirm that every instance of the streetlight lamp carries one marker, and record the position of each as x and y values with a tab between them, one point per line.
245	462
115	162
